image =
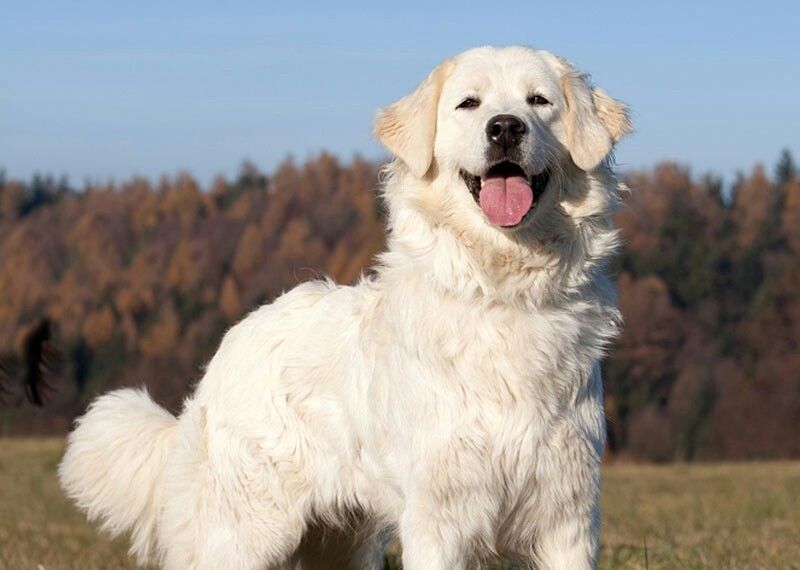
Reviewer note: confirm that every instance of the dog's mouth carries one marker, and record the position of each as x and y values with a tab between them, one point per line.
505	194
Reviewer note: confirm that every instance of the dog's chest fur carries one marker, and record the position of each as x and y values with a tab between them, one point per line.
486	387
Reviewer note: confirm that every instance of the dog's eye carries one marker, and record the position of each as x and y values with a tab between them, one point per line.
537	100
469	103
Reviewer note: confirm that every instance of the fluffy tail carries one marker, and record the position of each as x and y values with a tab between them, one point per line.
114	464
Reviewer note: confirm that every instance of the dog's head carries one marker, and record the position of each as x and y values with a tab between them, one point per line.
510	125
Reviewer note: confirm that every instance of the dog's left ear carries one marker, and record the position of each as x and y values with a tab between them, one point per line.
594	122
408	127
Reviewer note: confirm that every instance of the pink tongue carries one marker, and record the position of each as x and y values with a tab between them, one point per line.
506	200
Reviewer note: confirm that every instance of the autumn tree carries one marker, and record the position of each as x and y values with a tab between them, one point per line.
142	278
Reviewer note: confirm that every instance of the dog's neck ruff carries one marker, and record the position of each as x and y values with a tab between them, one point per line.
473	262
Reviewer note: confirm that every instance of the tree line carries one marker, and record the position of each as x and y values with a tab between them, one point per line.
140	279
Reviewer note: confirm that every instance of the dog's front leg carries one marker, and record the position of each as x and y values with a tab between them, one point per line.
568	530
432	542
446	519
570	544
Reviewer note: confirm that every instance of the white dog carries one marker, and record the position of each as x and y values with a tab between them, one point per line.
454	397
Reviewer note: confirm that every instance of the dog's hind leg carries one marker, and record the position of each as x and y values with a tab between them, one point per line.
225	508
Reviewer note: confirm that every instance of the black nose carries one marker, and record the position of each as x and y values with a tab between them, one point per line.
505	130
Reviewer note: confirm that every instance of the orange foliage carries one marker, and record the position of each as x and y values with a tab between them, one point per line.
98	328
142	279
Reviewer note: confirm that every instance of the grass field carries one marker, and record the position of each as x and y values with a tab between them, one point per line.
682	516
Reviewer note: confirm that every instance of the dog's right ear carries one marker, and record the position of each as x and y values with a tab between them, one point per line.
408	127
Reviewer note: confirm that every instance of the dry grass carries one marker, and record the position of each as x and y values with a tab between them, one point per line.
682	516
744	515
37	524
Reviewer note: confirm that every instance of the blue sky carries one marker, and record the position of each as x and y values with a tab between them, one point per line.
109	89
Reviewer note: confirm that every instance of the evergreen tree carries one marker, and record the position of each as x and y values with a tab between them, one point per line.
785	170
